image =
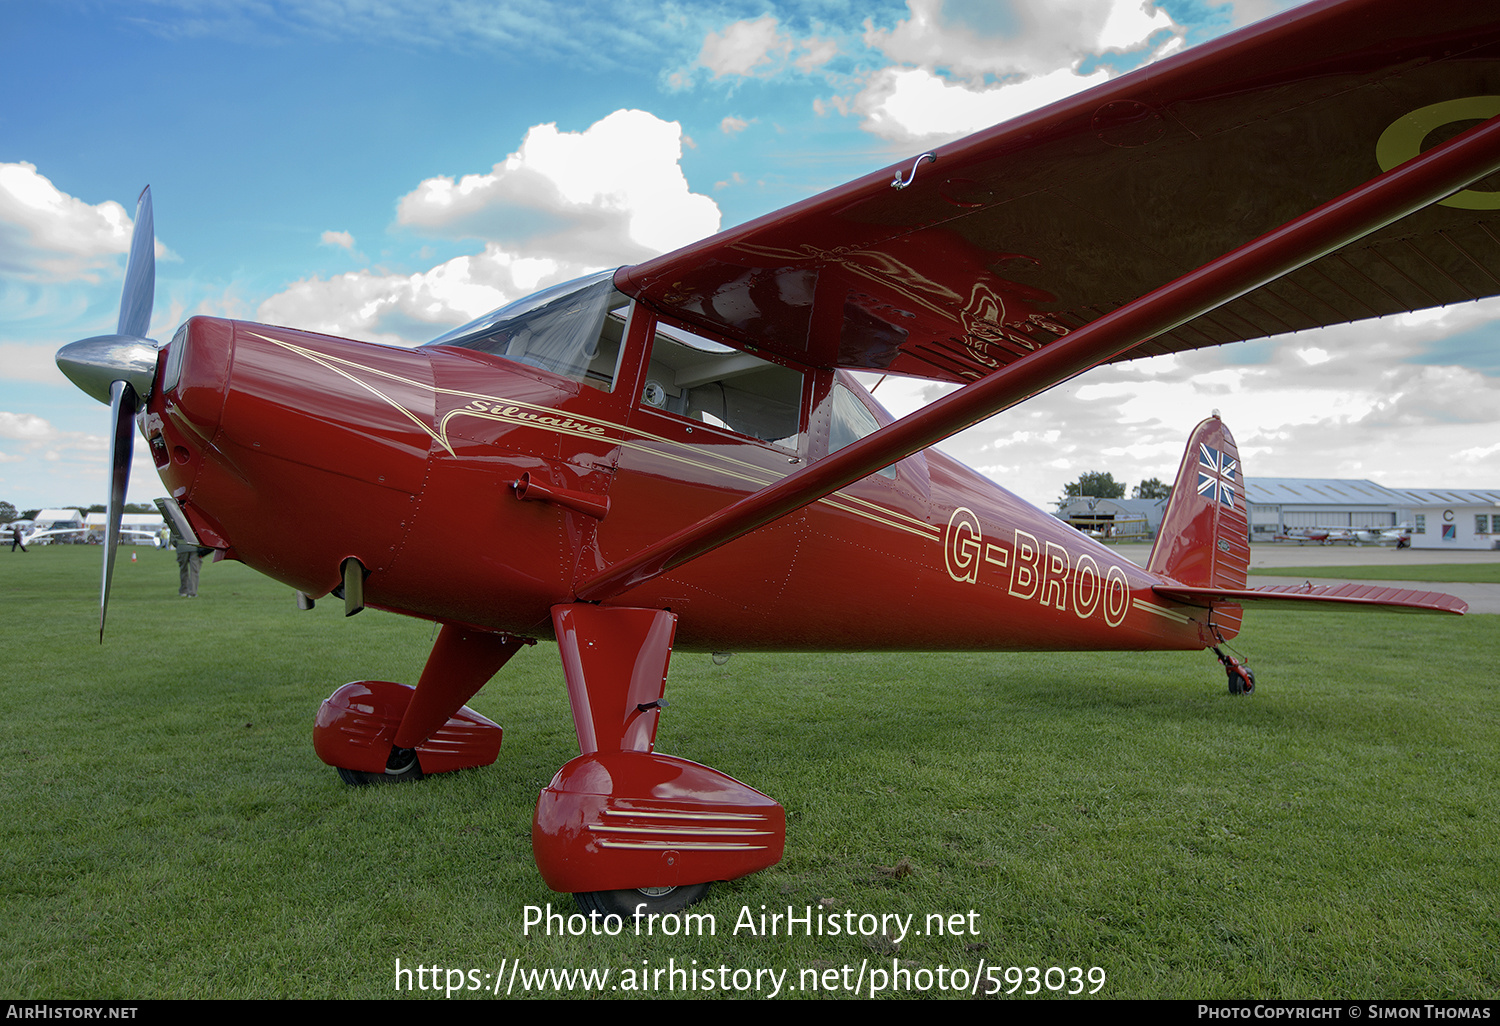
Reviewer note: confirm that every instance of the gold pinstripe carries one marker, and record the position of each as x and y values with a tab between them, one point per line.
1163	611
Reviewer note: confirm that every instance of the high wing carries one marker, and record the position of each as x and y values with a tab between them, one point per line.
1018	235
873	276
1413	185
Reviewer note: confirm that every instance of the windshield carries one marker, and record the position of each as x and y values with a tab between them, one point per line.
573	329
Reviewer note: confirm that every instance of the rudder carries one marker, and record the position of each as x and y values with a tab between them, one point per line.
1204	540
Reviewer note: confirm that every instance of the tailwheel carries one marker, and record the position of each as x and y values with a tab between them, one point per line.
401	766
1241	677
643	901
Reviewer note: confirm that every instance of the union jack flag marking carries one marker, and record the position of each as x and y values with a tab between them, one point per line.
1216	474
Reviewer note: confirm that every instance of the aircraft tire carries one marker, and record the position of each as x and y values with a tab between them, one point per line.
659	900
359	778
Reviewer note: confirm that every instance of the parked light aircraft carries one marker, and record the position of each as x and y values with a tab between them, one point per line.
673	455
55	535
1399	535
81	535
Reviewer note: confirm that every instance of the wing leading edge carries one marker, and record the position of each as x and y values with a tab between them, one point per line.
1017	236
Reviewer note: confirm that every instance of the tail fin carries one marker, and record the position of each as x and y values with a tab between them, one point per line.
1204	539
1204	546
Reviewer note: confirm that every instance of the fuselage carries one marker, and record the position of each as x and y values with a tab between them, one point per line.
294	452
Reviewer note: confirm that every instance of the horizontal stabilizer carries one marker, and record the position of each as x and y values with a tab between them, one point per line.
1327	596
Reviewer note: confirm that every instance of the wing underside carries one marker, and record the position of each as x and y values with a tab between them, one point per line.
1021	234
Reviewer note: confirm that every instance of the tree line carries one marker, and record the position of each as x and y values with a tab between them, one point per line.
1099	484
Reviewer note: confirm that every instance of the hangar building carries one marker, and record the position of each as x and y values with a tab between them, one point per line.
1438	517
1125	519
1453	518
135	528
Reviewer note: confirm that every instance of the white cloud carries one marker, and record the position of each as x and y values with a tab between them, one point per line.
47	235
958	66
757	49
81	455
564	204
32	362
1128	24
1022	38
815	53
1477	453
1417	396
406	308
342	240
614	193
731	124
745	48
24	426
916	106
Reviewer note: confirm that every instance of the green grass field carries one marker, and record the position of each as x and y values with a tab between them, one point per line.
168	831
1453	573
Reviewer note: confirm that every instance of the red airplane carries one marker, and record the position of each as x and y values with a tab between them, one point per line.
673	455
1310	534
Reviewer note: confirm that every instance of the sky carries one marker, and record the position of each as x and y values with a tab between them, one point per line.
387	169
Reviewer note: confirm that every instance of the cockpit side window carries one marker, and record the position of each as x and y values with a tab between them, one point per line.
574	330
703	380
851	421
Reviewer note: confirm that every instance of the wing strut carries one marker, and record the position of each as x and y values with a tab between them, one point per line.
1424	179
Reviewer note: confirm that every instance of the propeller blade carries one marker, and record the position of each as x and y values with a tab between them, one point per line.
140	272
93	364
120	369
122	407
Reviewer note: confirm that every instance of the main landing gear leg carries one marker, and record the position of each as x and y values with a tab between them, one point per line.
626	830
379	731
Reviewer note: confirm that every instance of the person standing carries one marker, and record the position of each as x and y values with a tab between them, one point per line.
189	560
15	539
